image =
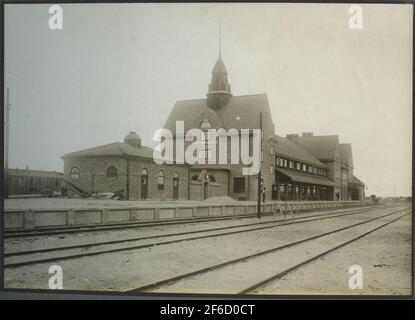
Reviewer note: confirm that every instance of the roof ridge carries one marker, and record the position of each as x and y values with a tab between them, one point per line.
252	94
119	147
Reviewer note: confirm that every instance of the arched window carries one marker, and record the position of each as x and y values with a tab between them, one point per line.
144	172
112	172
161	180
74	174
176	175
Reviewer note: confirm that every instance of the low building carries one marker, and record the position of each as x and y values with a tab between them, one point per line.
31	182
127	168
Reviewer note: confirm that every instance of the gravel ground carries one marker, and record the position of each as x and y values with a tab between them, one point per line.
385	258
129	269
237	277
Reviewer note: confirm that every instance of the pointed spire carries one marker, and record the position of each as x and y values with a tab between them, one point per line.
220	36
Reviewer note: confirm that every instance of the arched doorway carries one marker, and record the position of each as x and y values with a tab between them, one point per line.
175	186
144	184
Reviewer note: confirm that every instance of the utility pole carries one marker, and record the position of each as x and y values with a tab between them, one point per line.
6	146
259	173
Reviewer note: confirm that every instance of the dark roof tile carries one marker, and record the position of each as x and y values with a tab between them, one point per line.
114	149
295	151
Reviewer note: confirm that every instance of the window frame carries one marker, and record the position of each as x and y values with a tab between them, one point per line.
238	186
161	175
112	176
71	174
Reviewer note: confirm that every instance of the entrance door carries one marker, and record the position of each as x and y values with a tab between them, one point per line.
274	192
175	186
205	190
144	184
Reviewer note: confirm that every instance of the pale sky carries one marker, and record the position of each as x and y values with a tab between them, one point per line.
116	68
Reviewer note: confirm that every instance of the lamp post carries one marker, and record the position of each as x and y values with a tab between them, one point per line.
259	173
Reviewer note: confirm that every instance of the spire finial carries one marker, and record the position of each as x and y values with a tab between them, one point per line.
220	35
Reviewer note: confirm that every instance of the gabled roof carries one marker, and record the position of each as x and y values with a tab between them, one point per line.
292	150
322	147
241	112
346	153
113	149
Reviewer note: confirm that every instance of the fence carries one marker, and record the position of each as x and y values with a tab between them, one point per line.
42	218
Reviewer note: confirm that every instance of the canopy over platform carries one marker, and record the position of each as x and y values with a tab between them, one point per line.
302	178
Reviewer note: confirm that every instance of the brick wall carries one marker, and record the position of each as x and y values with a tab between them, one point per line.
93	177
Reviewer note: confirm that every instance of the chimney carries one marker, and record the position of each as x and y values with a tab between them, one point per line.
293	136
307	134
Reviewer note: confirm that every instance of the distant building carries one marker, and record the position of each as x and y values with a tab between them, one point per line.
128	168
27	182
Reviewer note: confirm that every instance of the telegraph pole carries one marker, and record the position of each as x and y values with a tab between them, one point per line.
6	146
259	173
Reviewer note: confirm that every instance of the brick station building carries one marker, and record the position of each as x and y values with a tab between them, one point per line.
294	167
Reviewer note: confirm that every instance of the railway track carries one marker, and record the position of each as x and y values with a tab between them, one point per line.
83	250
250	262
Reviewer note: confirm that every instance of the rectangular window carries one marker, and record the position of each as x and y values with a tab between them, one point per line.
238	184
271	149
310	169
285	163
304	168
201	154
315	170
271	169
291	164
205	153
277	161
298	166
